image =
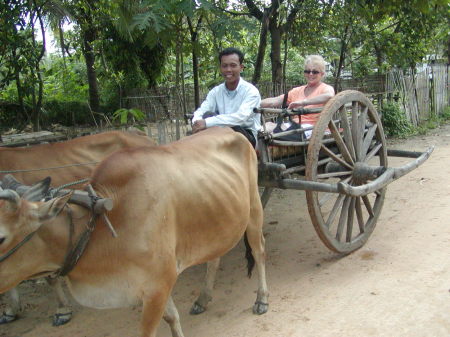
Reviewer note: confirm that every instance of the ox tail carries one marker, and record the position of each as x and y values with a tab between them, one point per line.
249	256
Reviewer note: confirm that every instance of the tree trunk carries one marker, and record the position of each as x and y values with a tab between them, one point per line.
88	52
195	71
261	48
20	93
34	66
275	53
183	86
342	54
285	61
194	37
277	29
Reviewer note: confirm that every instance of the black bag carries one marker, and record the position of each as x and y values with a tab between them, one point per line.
295	137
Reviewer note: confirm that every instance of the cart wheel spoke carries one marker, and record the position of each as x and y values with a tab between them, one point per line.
346	128
334	175
359	214
368	205
359	133
368	139
336	207
373	152
343	217
337	158
356	134
340	143
350	217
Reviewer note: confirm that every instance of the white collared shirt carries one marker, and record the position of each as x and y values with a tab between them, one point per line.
234	107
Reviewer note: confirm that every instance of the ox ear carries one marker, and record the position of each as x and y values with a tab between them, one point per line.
50	209
12	198
38	191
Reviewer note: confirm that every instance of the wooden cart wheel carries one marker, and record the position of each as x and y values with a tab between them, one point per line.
348	132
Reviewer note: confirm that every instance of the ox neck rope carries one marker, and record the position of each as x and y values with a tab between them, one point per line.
48	168
16	247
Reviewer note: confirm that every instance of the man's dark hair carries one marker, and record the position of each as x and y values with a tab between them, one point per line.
231	51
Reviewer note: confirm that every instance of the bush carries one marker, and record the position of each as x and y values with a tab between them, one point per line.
446	114
394	121
123	116
11	115
66	113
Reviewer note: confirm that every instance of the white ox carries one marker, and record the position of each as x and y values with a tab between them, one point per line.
175	206
67	162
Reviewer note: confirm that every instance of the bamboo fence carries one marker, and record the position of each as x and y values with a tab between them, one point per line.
421	94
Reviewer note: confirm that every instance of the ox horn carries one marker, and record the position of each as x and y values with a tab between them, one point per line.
11	196
9	182
37	191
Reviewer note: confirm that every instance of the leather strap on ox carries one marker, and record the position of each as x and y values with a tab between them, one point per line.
74	252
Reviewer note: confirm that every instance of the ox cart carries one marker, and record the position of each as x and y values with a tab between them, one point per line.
341	163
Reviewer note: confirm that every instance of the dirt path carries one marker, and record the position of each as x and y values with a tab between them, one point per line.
398	284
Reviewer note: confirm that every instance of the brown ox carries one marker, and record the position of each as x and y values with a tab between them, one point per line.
63	160
174	206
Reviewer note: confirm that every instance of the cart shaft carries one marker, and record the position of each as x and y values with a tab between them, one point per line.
384	177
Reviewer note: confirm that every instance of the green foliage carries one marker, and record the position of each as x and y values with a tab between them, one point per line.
66	112
446	114
125	115
65	79
394	121
21	53
434	122
140	44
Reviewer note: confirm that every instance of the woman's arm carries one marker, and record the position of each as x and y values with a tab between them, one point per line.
272	102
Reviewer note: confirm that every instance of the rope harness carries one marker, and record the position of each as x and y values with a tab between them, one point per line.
54	192
48	168
16	247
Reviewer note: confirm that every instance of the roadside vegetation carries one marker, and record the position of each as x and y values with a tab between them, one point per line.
396	124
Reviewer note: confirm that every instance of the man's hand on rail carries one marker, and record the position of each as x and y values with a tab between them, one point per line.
198	125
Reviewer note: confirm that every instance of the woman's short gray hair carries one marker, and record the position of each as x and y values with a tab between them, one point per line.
315	61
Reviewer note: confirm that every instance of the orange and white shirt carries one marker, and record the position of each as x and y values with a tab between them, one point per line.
298	94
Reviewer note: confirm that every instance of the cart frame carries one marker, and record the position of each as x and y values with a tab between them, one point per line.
342	167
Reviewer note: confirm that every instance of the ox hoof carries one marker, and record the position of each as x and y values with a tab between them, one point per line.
61	319
7	318
197	309
260	308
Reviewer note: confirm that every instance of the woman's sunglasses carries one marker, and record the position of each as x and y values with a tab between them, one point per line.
315	72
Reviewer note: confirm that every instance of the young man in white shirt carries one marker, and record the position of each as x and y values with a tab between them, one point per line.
232	102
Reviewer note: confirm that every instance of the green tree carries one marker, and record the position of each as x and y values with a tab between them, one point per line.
21	54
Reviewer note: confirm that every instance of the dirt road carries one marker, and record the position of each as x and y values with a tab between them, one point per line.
397	285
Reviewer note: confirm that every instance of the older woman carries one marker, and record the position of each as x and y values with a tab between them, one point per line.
312	95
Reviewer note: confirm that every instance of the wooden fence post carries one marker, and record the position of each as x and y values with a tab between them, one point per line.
161	133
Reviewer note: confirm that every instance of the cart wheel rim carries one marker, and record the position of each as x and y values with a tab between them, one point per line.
349	132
